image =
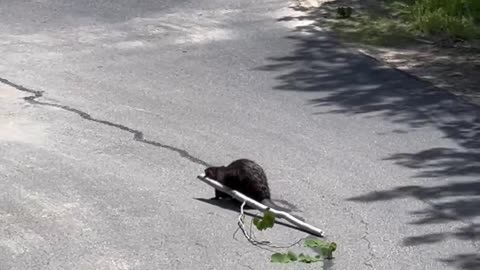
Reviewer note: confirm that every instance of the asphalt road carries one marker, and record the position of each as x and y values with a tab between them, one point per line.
110	109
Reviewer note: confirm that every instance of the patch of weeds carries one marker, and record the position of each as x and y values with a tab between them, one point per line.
374	31
383	26
453	18
398	22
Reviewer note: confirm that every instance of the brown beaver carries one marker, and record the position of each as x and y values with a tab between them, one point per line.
246	177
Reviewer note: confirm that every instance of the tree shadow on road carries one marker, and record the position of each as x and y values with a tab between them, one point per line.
350	83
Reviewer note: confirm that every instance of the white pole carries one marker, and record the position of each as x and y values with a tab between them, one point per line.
242	198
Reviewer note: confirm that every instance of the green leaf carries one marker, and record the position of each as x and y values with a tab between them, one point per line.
260	225
333	246
326	248
277	257
280	258
326	251
308	259
269	219
266	222
314	243
256	221
292	256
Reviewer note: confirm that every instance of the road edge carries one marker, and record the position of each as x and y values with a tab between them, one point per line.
309	5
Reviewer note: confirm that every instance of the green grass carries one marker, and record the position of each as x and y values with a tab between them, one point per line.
377	31
399	21
452	18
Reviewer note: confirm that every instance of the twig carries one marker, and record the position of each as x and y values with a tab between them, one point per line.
242	198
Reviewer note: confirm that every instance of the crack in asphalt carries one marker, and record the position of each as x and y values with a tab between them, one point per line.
371	254
369	244
137	135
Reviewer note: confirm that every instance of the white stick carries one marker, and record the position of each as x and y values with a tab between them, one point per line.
242	198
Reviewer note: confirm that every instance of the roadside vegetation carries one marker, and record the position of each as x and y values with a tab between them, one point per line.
436	40
388	22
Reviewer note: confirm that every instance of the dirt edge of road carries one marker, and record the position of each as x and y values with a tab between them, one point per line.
447	69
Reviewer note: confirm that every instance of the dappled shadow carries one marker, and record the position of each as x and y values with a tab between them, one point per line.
346	82
438	162
463	204
465	261
453	64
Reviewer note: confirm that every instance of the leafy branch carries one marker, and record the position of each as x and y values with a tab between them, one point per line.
325	248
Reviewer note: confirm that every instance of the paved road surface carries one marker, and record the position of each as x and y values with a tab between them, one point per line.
134	98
